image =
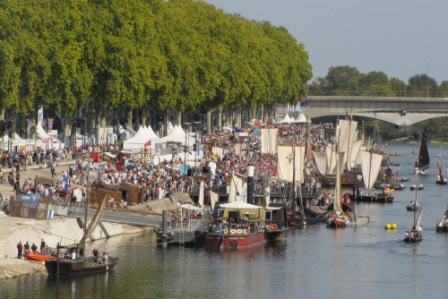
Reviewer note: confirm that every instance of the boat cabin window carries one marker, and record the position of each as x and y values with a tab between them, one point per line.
234	215
268	215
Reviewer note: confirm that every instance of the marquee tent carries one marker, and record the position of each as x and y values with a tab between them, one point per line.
138	141
178	135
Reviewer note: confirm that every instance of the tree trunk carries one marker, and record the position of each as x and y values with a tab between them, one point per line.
238	117
144	120
209	121
178	117
220	118
129	119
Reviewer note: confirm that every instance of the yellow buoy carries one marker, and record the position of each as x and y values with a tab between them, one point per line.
394	226
388	226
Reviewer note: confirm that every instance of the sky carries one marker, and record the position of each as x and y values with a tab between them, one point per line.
401	38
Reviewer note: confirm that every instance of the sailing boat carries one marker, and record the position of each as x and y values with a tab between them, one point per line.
441	179
414	203
370	166
422	164
73	261
414	233
442	224
343	215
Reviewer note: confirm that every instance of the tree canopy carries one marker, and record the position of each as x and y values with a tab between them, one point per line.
178	54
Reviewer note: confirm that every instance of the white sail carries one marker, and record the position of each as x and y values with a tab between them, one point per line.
269	140
331	160
354	157
236	188
345	136
320	160
370	166
286	160
337	192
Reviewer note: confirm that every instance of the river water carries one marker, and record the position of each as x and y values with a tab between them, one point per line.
314	262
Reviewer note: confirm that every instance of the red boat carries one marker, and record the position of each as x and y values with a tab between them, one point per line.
35	256
241	226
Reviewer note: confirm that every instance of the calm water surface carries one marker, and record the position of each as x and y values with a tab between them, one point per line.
316	262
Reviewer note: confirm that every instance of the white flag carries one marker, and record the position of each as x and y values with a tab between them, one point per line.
40	115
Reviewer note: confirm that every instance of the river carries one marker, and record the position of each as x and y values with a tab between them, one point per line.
314	262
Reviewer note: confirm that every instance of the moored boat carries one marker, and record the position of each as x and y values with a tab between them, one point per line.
422	163
442	224
414	187
441	179
240	225
73	261
35	256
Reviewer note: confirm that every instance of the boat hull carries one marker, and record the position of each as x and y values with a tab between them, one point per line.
234	241
276	235
37	257
80	266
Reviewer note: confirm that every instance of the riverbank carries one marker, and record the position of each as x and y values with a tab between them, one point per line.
58	230
63	230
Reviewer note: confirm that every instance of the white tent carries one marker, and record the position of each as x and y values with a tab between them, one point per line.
138	141
287	120
178	135
301	118
151	133
169	127
239	205
40	132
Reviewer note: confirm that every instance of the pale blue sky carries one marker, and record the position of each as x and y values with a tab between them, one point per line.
401	38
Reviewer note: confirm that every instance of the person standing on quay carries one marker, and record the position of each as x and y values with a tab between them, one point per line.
19	250
42	247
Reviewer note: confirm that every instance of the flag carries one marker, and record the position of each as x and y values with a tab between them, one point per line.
50	124
298	108
40	115
303	102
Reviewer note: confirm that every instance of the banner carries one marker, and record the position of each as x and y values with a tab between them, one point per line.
40	115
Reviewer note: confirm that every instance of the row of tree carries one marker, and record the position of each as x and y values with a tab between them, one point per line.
142	55
347	80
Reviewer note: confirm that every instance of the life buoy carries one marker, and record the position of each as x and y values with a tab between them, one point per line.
274	226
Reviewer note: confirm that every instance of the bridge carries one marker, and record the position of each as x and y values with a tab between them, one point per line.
401	111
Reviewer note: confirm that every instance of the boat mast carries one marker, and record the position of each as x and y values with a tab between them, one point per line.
86	207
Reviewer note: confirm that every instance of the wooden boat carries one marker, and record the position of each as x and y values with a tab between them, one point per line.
414	187
422	163
441	179
35	256
413	206
414	233
442	224
73	261
343	215
276	219
370	166
240	226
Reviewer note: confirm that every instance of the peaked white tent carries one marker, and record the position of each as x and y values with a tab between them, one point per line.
40	132
287	120
151	133
178	135
138	141
301	119
169	127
